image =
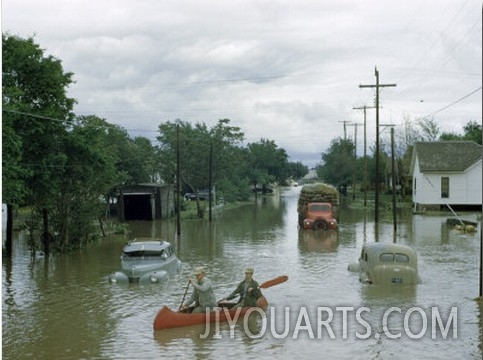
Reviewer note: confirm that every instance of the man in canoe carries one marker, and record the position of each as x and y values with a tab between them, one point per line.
202	295
248	290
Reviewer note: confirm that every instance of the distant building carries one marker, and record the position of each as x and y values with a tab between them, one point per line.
447	173
145	202
311	175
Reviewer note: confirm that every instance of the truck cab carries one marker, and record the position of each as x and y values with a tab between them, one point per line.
319	215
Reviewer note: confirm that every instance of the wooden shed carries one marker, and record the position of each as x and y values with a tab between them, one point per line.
145	202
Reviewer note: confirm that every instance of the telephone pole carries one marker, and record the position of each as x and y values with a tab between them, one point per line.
345	129
377	86
355	159
365	149
178	186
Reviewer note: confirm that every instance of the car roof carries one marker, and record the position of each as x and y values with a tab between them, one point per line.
150	245
376	248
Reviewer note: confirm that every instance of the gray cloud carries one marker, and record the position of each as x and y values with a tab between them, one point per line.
283	70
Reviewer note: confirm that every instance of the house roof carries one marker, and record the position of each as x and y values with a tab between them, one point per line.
447	156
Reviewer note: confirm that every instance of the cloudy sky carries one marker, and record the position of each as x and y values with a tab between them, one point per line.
286	70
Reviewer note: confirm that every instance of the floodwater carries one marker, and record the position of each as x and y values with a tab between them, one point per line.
65	308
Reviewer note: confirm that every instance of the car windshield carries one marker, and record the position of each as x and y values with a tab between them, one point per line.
320	207
142	253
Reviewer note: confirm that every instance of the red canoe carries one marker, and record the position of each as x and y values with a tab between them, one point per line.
167	318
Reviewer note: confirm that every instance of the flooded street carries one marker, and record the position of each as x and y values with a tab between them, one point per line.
65	308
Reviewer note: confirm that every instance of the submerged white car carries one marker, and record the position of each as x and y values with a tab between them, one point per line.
387	263
144	262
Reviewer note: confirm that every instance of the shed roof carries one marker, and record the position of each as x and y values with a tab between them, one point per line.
447	156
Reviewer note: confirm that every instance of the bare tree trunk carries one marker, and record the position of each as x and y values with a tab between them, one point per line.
8	240
45	234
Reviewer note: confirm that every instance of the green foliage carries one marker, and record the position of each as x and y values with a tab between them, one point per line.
201	150
36	113
338	163
54	161
65	165
297	170
472	132
266	163
14	175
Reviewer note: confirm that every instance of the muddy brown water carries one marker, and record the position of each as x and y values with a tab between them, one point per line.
64	307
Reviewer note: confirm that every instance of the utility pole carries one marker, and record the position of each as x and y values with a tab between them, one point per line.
345	130
365	149
394	213
377	86
210	196
355	158
178	186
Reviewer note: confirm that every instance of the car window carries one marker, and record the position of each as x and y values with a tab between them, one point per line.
386	257
402	258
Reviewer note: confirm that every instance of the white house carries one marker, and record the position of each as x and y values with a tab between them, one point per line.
447	173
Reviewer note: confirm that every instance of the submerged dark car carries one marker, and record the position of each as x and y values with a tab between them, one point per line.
150	261
202	195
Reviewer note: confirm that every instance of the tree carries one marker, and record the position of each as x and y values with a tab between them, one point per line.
148	163
224	140
472	131
338	163
36	113
14	175
429	129
195	144
37	110
88	173
297	170
266	163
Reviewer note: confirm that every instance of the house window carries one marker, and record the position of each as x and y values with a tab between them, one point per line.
445	187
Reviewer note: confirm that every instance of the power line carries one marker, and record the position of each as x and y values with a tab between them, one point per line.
33	115
453	103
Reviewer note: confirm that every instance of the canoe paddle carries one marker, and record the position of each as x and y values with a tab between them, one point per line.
266	285
273	282
184	296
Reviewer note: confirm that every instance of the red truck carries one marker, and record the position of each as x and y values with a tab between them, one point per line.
319	216
318	207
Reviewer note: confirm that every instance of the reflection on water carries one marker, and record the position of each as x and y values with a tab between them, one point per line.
64	307
318	240
392	295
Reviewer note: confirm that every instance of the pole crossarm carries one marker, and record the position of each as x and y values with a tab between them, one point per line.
377	86
363	107
345	124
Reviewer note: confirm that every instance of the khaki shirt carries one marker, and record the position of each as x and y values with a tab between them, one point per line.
202	294
246	298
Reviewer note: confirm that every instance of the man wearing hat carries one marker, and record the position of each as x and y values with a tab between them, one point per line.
202	295
248	290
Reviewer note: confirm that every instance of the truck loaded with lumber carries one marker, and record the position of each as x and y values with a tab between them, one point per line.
318	207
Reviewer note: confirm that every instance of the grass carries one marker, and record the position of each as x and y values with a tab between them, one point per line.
189	210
